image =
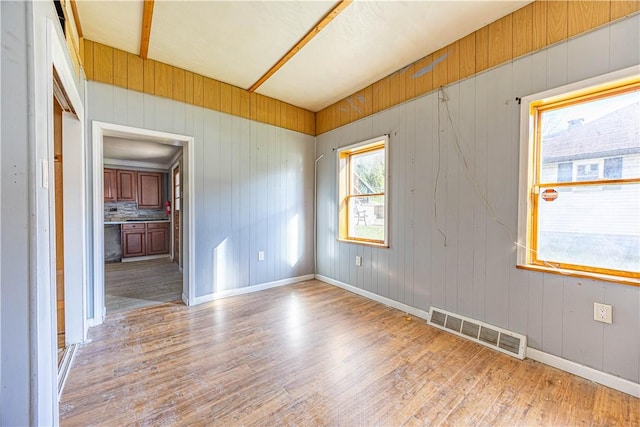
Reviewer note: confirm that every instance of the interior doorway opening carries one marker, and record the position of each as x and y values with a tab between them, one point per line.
134	244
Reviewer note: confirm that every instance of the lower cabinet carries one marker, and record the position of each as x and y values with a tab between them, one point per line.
145	239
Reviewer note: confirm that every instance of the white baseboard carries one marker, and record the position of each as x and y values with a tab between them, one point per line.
382	300
185	300
249	289
591	374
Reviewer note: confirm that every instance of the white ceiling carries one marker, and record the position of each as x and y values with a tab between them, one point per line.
115	148
238	41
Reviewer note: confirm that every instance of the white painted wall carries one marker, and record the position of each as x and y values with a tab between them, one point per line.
253	187
474	274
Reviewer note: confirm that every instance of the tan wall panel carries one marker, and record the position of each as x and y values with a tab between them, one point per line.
164	80
262	115
226	98
423	76
179	92
135	73
245	104
292	117
198	90
440	70
277	110
557	21
310	123
396	90
211	89
482	49
82	51
235	101
188	87
103	63
120	68
585	15
409	82
88	59
523	30
149	68
620	8
453	62
467	48
539	25
273	116
500	41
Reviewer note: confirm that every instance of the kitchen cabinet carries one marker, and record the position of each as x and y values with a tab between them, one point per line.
133	240
157	238
110	185
126	185
143	239
149	190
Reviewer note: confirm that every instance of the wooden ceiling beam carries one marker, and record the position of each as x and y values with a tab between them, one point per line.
147	16
342	4
76	18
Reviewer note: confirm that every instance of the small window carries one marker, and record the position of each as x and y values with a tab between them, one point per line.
580	183
362	180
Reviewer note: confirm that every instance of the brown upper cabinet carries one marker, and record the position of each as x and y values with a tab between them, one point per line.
110	185
126	185
149	190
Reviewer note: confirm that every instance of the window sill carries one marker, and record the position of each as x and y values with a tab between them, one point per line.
582	274
365	243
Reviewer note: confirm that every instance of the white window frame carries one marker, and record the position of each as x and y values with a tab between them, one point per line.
527	169
347	150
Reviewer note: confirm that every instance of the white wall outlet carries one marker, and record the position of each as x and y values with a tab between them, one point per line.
358	260
260	255
602	312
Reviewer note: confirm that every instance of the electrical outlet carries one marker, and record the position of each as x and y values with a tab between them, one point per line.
358	260
260	255
602	312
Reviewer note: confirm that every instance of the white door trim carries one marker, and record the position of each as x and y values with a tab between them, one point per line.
99	131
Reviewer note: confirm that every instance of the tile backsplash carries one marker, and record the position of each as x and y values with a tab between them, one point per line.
130	210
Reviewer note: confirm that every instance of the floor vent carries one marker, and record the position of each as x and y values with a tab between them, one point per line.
507	342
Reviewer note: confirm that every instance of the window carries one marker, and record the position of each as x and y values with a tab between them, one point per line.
580	179
362	180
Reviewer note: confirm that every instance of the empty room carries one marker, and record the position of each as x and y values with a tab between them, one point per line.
319	212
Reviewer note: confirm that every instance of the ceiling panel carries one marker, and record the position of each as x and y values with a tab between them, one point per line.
371	40
114	23
140	151
232	41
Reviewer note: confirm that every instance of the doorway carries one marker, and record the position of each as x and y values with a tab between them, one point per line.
101	131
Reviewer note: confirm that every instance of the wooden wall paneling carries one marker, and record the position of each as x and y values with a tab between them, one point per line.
81	50
164	80
211	89
198	90
271	110
409	82
523	30
322	120
500	41
367	100
467	55
439	71
556	21
135	73
539	24
120	68
235	100
262	113
88	59
622	8
396	88
245	104
291	120
423	75
453	59
585	15
226	98
345	112
188	87
301	121
179	90
482	49
310	123
149	69
253	106
384	100
103	63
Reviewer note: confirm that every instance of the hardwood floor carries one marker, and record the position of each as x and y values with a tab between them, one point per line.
130	285
313	354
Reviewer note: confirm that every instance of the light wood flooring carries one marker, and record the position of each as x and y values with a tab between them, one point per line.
137	284
312	354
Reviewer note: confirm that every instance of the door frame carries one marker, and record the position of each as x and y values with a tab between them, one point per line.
175	165
99	131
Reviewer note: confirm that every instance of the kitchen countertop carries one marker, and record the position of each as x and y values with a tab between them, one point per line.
135	222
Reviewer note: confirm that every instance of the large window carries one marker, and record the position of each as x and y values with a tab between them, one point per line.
580	179
362	180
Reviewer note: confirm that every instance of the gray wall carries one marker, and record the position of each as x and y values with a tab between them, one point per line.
253	187
475	274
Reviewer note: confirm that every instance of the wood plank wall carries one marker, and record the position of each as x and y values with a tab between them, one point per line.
72	37
526	30
119	68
